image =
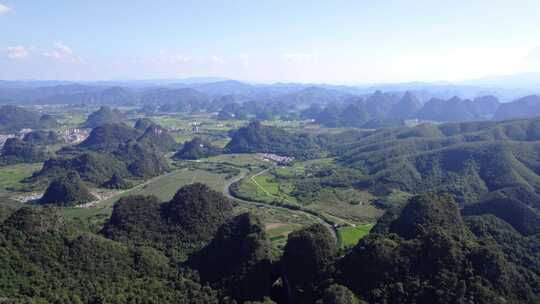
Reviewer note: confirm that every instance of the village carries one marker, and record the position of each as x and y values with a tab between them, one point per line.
280	160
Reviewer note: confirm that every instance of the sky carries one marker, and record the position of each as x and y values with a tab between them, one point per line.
334	41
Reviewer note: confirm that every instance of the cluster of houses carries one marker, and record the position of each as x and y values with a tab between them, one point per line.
74	136
281	160
4	137
193	128
71	136
20	134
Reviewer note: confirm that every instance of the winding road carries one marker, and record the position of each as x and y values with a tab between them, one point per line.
228	192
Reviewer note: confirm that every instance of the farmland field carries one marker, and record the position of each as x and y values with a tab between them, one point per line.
349	236
11	176
338	204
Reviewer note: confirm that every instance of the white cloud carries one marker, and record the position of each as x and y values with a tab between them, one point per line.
244	60
168	58
62	48
63	52
16	52
4	9
301	57
60	51
534	56
217	59
178	59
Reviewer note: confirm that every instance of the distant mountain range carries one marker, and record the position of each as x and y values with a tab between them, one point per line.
505	88
441	102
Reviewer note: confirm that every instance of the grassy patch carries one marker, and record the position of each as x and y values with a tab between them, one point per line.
278	234
349	236
164	187
278	191
297	169
11	177
265	188
248	189
182	138
239	160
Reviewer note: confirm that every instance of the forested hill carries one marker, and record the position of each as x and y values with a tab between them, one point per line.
423	252
13	119
112	149
257	138
471	161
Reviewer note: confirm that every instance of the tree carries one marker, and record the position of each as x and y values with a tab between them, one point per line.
307	260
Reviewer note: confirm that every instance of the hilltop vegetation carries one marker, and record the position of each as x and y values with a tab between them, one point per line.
390	110
249	270
116	182
157	138
526	107
42	262
341	106
18	151
256	138
112	149
459	110
461	202
104	115
197	148
467	160
92	166
426	252
109	136
13	119
177	227
41	137
422	251
67	190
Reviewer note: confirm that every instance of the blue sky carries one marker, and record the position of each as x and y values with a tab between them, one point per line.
266	41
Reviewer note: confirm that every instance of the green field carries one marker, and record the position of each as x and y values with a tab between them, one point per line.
11	177
297	169
349	236
278	234
347	204
206	122
182	138
164	187
249	190
239	160
343	205
277	191
265	188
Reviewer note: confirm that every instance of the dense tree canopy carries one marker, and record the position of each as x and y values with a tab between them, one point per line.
256	138
197	148
429	255
307	261
13	119
17	151
249	270
41	263
68	190
105	115
179	226
112	149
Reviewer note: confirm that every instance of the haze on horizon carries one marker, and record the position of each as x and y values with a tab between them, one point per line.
269	41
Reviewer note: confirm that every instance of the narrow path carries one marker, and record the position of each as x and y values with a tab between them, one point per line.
119	194
264	189
194	177
258	185
227	191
